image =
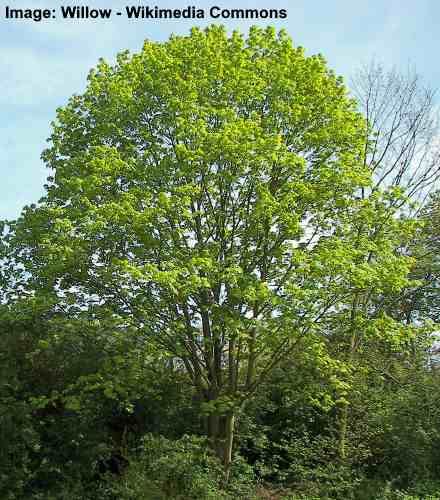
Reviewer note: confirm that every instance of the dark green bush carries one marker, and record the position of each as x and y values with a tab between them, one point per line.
182	469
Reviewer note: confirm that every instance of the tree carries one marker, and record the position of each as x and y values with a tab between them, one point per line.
204	193
401	152
401	147
421	301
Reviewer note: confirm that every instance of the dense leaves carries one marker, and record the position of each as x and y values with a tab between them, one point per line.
212	257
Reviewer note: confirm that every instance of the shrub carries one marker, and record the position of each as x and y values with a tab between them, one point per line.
181	469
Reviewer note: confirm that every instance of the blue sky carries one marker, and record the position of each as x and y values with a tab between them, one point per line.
43	64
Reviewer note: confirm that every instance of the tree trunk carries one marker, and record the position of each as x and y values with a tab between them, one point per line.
228	442
343	422
221	437
213	424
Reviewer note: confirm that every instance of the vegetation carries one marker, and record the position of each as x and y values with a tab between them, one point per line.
227	291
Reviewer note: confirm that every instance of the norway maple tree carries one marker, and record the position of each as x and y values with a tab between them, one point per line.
204	193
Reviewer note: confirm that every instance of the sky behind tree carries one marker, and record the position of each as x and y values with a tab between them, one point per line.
43	63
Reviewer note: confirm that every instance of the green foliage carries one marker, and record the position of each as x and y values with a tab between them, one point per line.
186	179
289	435
205	204
68	395
19	443
384	490
182	469
206	250
411	443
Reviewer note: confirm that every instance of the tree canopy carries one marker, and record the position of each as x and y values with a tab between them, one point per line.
207	198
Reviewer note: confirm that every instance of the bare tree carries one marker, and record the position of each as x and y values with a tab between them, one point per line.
402	143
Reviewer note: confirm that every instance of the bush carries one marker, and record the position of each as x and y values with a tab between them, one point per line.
181	469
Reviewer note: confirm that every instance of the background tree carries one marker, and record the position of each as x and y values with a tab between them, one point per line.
401	142
401	151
